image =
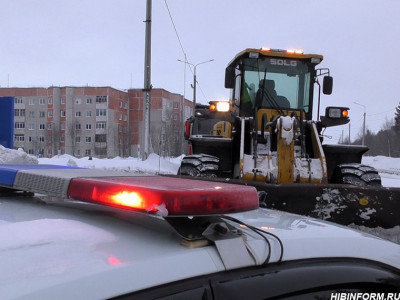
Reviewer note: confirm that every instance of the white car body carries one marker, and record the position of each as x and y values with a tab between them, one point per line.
85	251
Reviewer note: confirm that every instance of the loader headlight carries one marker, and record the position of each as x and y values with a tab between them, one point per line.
335	116
337	112
221	106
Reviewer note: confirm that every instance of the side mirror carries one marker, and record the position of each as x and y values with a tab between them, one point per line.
229	78
327	85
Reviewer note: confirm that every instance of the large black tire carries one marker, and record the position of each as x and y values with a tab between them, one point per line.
357	174
199	165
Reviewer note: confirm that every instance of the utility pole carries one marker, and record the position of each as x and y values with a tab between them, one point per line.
195	79
365	115
349	142
147	81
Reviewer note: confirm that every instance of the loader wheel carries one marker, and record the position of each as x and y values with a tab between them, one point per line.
199	165
357	174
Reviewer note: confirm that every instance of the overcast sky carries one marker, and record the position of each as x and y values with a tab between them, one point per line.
101	43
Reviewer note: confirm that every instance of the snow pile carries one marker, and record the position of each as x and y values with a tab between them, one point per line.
10	156
154	164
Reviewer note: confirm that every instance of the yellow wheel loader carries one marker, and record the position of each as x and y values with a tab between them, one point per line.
265	136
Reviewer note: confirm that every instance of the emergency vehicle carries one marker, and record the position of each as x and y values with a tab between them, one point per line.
72	233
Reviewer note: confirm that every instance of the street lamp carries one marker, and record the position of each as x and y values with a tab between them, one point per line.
194	79
365	108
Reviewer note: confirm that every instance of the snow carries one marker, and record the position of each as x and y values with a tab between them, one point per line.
287	129
154	164
389	169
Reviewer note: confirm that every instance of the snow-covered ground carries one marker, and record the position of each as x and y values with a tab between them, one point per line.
388	167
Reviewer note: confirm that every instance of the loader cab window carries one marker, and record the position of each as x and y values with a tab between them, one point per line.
287	82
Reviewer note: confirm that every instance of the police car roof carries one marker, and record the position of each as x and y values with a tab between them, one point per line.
84	249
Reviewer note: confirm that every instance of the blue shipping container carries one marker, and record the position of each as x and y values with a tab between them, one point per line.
7	122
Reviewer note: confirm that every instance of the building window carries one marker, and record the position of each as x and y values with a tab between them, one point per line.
88	126
78	152
31	126
31	114
175	117
88	152
101	125
126	105
120	104
42	101
31	101
41	139
50	101
49	127
63	100
62	138
125	118
30	139
77	139
88	100
18	101
78	126
77	114
100	138
88	139
42	126
88	113
42	114
62	126
101	99
120	117
50	114
63	113
49	152
19	138
78	101
176	105
19	113
101	112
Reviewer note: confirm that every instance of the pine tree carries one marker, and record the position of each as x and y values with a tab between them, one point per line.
397	117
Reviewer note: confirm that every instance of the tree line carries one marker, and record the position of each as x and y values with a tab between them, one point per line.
386	141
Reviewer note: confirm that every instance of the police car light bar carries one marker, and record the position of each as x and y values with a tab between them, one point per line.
165	195
161	195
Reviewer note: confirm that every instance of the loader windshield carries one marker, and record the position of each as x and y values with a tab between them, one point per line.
282	83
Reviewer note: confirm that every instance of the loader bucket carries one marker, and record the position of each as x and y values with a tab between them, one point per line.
339	203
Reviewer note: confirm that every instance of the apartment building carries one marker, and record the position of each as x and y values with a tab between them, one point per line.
95	121
168	112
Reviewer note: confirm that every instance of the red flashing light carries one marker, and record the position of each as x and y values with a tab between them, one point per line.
165	195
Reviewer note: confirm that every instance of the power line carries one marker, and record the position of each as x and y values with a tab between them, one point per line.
381	112
176	31
183	50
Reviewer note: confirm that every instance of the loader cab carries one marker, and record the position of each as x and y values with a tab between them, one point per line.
270	78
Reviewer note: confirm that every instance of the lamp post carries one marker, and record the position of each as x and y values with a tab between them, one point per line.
365	108
194	79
